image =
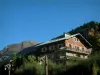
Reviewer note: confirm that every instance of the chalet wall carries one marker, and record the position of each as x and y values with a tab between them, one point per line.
74	42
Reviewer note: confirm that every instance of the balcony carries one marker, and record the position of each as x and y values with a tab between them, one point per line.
87	51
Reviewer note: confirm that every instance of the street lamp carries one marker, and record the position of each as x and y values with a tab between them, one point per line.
8	67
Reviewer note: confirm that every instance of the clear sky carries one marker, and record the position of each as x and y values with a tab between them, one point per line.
41	20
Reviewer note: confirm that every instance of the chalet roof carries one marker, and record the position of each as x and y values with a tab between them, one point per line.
67	36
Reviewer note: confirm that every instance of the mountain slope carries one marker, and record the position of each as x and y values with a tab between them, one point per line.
17	47
14	48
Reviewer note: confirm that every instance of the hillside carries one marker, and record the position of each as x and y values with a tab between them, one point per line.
91	31
17	47
14	48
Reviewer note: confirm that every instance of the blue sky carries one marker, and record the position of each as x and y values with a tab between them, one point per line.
41	20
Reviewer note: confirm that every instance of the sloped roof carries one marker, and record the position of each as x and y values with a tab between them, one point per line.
67	36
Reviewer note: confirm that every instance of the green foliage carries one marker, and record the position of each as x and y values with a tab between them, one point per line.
90	66
95	68
30	67
56	68
98	41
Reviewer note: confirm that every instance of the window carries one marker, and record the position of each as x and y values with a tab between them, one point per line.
82	49
70	46
75	47
76	39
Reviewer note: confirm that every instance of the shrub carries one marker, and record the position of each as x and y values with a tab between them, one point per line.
30	67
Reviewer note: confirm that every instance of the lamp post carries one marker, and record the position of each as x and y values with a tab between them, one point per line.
8	67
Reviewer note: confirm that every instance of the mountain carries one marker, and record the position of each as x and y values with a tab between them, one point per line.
91	31
14	48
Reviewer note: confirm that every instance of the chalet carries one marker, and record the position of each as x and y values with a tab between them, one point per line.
65	47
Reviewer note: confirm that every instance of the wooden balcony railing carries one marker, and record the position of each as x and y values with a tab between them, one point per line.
87	51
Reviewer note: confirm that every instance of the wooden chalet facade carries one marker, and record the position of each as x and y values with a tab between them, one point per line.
65	47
